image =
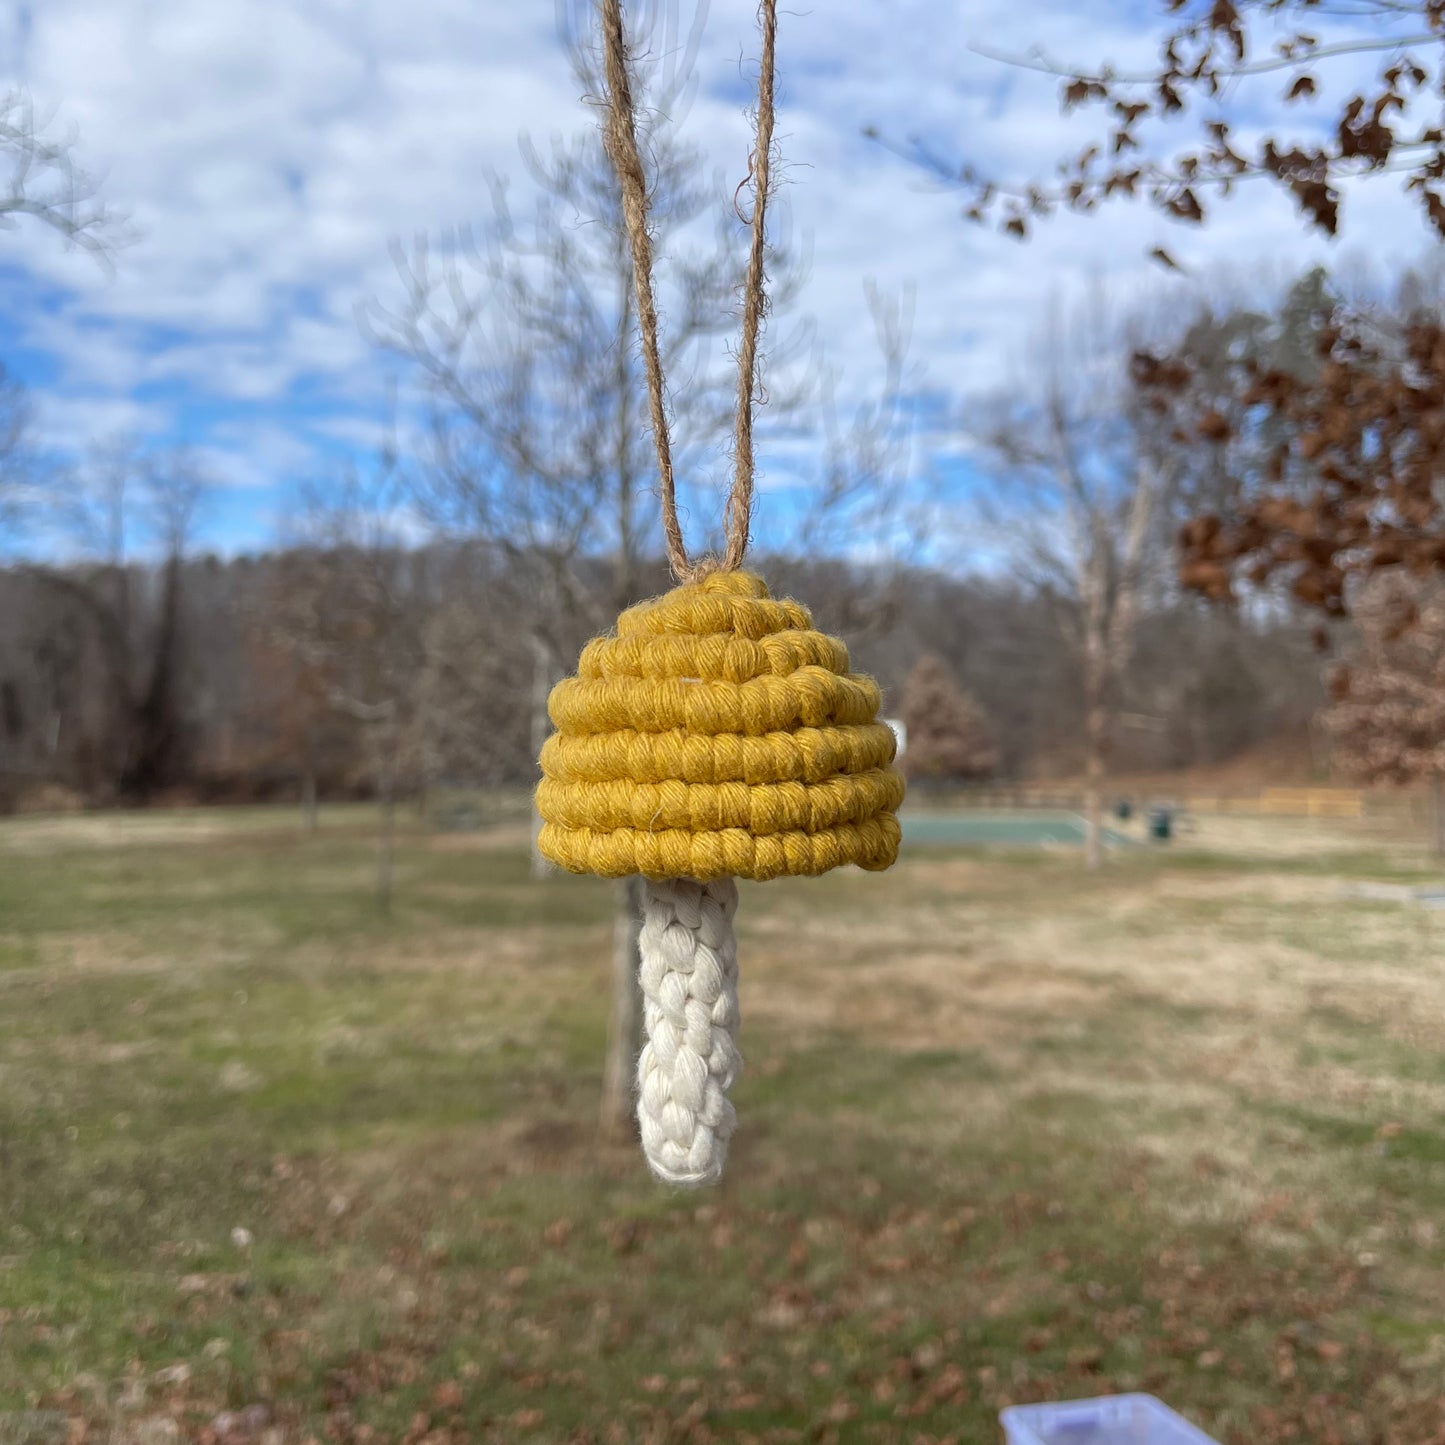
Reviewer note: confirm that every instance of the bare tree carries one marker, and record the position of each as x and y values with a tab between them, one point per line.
537	439
174	489
347	604
1083	497
857	499
473	658
116	497
286	712
47	185
523	334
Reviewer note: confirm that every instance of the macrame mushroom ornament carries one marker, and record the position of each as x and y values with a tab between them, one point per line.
715	735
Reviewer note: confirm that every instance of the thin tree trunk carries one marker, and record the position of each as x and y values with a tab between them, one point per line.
156	760
310	815
1094	787
1437	811
541	686
386	832
624	1033
1096	728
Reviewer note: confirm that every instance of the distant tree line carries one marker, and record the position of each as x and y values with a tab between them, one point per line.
361	667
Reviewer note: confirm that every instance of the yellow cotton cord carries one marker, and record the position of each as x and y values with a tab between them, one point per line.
717	734
807	754
762	808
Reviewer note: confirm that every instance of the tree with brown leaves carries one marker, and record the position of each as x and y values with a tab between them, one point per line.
1239	51
1329	449
1329	464
1387	718
949	737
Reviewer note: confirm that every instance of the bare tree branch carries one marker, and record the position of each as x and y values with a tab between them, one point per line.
46	184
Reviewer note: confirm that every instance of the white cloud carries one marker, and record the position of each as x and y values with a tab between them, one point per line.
268	150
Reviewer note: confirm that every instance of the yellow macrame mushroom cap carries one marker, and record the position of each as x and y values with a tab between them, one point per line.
717	734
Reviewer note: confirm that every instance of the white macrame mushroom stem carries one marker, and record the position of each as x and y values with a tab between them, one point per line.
689	973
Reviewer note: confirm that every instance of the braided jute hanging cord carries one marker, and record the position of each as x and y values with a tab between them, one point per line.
715	735
622	149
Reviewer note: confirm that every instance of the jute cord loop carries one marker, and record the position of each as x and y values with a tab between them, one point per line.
620	137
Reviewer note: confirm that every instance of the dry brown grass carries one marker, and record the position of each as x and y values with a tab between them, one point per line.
1009	1133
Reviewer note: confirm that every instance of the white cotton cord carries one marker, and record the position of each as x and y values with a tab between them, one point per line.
689	974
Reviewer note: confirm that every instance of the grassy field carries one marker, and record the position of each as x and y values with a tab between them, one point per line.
273	1168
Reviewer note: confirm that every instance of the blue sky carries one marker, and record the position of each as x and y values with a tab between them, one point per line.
268	150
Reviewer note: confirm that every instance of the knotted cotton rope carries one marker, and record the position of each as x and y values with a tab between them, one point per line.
715	735
689	980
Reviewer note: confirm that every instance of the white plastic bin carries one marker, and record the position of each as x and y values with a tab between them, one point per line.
1109	1420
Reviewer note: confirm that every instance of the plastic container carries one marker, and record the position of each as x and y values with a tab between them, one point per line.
1108	1420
